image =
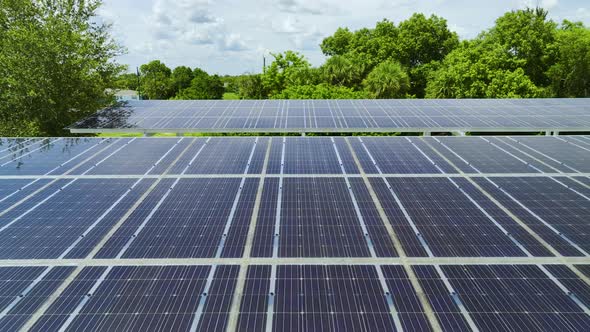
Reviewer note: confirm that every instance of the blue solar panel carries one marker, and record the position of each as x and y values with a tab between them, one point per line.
341	115
56	156
448	222
318	220
557	214
290	233
515	297
140	298
13	191
49	228
189	223
24	289
391	156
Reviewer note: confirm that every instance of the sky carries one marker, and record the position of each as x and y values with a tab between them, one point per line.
232	36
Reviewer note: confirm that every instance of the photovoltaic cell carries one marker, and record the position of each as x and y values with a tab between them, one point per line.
482	155
45	230
220	156
207	211
401	225
450	224
132	298
405	299
12	191
24	289
377	232
393	156
515	298
264	232
93	236
562	209
189	223
46	156
313	155
524	238
573	155
117	242
318	220
330	298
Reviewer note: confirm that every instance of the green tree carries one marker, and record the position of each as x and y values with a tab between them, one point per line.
570	75
127	82
251	87
512	84
181	78
287	69
527	35
479	69
387	80
56	62
423	40
338	44
421	44
203	86
155	80
320	91
344	71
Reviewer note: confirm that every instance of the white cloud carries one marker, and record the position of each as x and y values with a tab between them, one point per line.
287	25
226	36
233	42
300	7
547	4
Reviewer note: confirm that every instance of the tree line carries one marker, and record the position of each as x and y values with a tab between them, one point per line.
156	81
57	65
524	55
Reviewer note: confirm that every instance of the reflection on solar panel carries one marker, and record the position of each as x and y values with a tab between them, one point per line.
408	115
295	234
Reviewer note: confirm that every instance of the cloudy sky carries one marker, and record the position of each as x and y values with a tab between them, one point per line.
231	36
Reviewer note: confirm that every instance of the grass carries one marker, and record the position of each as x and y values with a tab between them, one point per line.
120	135
230	96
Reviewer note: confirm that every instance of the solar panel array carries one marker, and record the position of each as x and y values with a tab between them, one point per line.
295	234
410	115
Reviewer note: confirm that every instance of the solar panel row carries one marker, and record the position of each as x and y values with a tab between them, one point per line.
306	297
341	115
311	155
435	214
141	221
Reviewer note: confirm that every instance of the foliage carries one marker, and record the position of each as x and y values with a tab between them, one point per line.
422	40
202	86
287	69
251	87
570	75
526	35
511	60
181	78
55	65
387	80
417	43
230	96
127	82
155	80
320	91
343	71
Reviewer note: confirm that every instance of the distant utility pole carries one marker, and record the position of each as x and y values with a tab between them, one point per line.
263	64
138	83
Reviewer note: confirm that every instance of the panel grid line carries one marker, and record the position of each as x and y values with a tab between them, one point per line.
434	324
89	258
